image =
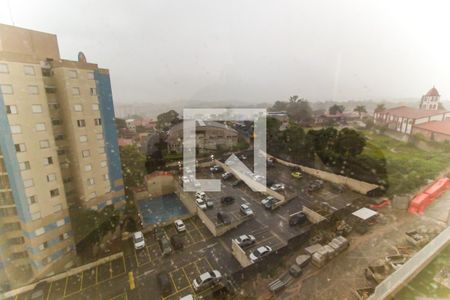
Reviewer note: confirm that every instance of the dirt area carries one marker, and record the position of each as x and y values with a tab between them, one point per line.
340	277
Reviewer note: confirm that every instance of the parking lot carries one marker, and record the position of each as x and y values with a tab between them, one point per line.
84	284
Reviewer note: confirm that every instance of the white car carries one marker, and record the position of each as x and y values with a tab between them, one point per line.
201	203
201	195
206	280
138	240
277	187
188	297
267	200
179	225
260	253
245	240
246	210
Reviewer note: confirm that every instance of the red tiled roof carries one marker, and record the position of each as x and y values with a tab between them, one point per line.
436	126
433	92
412	113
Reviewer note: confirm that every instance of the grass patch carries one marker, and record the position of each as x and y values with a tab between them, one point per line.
407	167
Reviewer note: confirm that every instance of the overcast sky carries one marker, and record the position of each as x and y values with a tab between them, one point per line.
161	51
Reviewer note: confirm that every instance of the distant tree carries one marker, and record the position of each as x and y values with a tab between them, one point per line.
141	129
279	106
360	109
120	123
380	107
133	166
297	108
167	120
349	143
335	109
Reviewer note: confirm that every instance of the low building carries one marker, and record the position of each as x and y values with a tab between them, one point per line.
131	125
341	118
210	136
403	118
438	131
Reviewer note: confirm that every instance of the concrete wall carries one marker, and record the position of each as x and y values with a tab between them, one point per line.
355	185
438	137
240	255
312	216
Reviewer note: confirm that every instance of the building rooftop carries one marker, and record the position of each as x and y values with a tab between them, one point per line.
436	126
433	92
412	113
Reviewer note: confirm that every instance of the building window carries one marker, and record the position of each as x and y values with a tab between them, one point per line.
36	216
105	177
98	122
90	181
6	89
88	167
32	199
11	109
9	211
93	91
40	126
28	183
51	177
44	144
99	136
25	165
103	163
29	70
4	68
57	208
54	193
83	138
90	75
94	107
36	108
85	153
20	147
101	150
73	74
76	91
78	107
81	123
60	223
43	246
61	152
53	106
59	137
48	161
33	90
39	231
15	129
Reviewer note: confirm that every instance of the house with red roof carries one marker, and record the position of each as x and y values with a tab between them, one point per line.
403	118
438	131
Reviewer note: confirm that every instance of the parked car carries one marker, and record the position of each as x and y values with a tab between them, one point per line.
188	297
227	200
268	202
164	283
315	185
206	280
201	203
138	240
245	240
209	204
277	187
177	242
296	174
246	210
216	169
243	157
164	243
297	219
179	225
227	175
260	253
201	195
223	218
295	270
236	183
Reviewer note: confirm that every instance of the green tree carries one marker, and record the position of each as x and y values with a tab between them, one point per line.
335	109
167	120
380	107
360	109
133	166
349	142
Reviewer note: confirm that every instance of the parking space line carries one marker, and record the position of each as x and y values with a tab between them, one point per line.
96	274
49	290
199	231
120	295
173	282
209	264
198	270
173	294
148	253
123	261
187	278
65	286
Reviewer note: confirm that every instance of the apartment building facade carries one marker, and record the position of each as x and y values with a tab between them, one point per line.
58	149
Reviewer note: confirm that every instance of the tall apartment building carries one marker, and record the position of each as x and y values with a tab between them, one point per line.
58	148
